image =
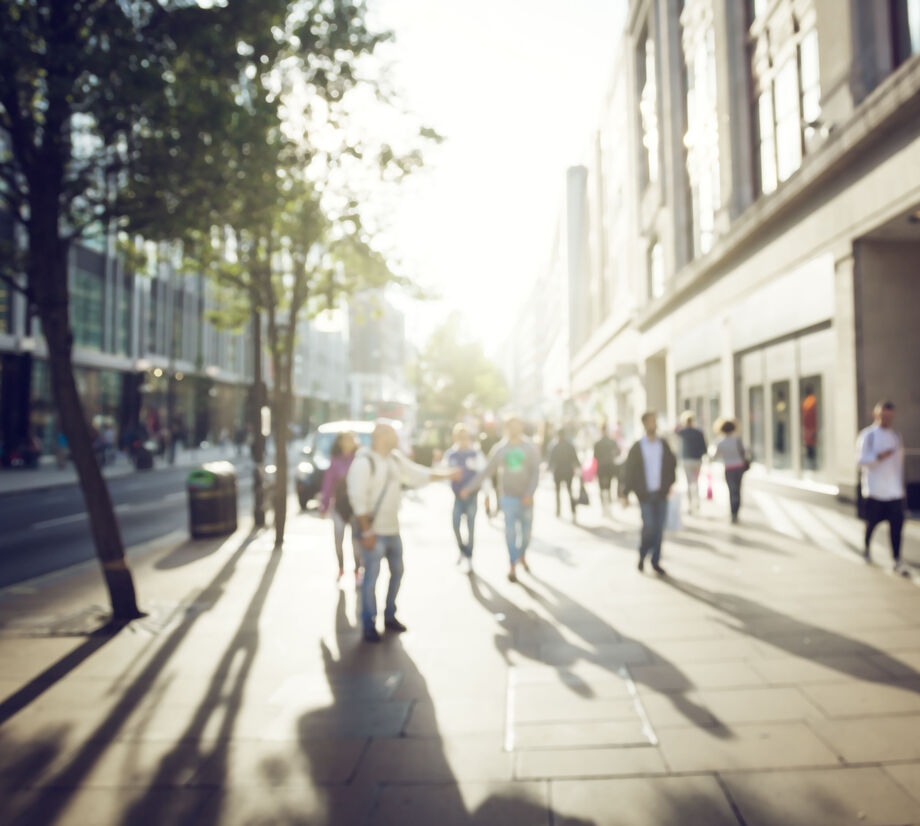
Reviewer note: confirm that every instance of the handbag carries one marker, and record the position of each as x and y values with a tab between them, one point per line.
582	493
672	517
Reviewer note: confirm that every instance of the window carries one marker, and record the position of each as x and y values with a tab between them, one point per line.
787	87
905	29
655	270
702	136
781	424
756	422
648	106
812	412
86	310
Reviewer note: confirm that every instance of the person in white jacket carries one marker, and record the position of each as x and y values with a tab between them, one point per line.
880	455
374	483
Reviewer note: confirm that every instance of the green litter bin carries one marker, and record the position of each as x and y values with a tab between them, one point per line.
212	500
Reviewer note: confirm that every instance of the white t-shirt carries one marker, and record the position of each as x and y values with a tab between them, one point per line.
881	478
367	479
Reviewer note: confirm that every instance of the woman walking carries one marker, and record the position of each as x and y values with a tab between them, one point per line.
334	493
729	450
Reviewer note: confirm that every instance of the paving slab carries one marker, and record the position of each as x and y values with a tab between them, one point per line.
855	699
589	762
874	739
647	801
907	776
848	797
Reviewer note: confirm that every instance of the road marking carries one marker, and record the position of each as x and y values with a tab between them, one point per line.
174	497
60	520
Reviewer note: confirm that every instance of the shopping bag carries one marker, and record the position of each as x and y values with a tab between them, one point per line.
709	484
589	470
672	518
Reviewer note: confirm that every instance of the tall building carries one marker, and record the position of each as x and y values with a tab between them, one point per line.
751	226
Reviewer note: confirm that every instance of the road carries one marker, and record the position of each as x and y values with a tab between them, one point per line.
44	531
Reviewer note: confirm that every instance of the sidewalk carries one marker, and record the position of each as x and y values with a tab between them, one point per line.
51	476
765	681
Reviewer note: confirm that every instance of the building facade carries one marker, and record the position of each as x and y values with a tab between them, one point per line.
751	226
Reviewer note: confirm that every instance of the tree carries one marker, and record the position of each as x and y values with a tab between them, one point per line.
454	376
86	87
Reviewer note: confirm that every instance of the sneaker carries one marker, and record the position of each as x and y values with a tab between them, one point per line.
394	625
658	570
341	574
900	568
524	565
371	634
867	557
641	566
512	576
466	566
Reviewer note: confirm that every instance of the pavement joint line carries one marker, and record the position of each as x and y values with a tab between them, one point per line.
647	729
509	709
736	811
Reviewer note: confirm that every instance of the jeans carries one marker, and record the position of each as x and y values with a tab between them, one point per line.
465	508
654	513
391	548
890	511
692	472
567	481
518	522
733	478
339	535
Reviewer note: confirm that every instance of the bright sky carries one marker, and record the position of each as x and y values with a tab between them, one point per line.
516	87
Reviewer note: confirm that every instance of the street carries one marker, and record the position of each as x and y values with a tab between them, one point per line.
767	679
45	530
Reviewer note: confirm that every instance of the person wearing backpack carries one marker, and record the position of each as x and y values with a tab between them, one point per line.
335	494
375	481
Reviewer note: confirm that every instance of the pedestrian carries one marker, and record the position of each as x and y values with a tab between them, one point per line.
650	472
466	456
487	440
606	451
374	485
563	462
729	450
692	450
334	499
880	451
517	461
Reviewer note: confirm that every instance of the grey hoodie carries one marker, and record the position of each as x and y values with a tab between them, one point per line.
519	465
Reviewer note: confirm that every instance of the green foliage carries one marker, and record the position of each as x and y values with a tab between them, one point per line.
453	376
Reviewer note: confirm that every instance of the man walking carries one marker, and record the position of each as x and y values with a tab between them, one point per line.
650	474
692	450
563	462
880	451
374	484
518	461
606	451
468	459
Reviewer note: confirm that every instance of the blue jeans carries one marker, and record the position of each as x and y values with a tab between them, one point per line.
465	507
391	548
518	522
654	514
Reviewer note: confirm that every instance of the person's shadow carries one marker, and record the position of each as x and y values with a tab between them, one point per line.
361	676
566	611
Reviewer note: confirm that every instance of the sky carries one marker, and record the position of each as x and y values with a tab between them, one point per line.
516	87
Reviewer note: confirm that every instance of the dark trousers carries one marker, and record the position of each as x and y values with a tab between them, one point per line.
605	476
733	479
890	511
654	512
567	481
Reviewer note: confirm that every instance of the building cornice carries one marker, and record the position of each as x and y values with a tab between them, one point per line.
894	103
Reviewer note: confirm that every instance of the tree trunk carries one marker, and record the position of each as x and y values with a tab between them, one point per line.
258	440
48	279
280	426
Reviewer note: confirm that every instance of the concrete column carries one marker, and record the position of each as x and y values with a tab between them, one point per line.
727	361
845	420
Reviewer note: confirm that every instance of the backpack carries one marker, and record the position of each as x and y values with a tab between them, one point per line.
342	503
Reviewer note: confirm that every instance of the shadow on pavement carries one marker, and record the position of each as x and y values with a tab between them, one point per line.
48	804
395	797
186	553
39	684
799	638
562	609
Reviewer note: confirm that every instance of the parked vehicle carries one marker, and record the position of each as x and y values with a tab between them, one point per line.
314	460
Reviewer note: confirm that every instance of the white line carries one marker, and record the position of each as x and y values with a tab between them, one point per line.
647	729
61	520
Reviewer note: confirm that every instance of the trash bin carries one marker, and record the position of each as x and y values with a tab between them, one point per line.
212	500
143	456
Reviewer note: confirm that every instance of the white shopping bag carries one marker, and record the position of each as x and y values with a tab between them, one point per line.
672	520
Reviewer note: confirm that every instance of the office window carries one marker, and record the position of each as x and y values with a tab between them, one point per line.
783	44
648	106
905	29
86	308
702	136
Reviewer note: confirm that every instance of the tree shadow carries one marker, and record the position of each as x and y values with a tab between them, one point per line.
568	612
360	677
189	551
56	672
798	637
45	807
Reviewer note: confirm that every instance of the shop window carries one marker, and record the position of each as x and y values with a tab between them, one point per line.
905	29
757	422
86	308
812	413
781	424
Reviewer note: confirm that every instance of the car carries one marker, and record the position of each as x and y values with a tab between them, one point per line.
315	458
